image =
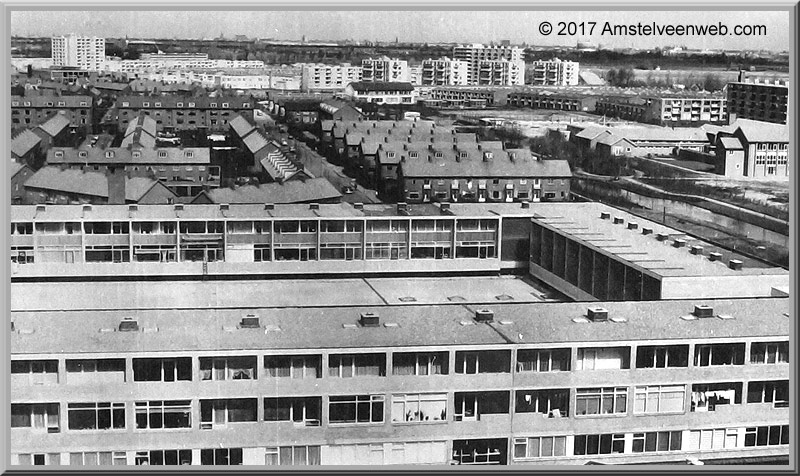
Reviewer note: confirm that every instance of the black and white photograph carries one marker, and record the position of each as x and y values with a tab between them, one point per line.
400	237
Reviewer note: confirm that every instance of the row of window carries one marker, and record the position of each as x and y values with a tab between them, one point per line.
405	408
410	363
249	227
476	451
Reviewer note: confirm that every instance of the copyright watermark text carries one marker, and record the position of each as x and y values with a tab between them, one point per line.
589	28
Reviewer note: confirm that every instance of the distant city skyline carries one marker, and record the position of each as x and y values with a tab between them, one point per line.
406	26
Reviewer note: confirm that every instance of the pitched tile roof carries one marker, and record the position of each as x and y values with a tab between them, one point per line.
24	142
89	183
133	155
293	191
54	125
758	131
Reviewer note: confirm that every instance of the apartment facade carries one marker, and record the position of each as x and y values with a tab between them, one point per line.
179	113
85	52
676	110
481	59
759	100
31	111
511	384
554	72
381	92
552	99
384	70
327	77
444	72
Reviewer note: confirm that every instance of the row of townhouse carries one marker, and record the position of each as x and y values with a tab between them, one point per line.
516	384
419	162
576	248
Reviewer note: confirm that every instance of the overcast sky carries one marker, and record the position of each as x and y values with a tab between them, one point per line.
410	26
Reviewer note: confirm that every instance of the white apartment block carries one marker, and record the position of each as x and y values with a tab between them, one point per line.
327	76
476	53
554	73
161	62
385	70
85	52
444	72
500	73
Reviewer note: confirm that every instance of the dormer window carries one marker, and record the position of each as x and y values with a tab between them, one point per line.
14	103
61	104
413	154
191	104
463	155
189	154
49	104
137	154
213	104
27	103
109	154
180	104
126	104
438	155
162	154
82	154
390	155
59	154
246	105
84	104
158	104
225	104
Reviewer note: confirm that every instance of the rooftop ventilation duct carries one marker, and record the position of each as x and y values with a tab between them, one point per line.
484	315
605	215
735	264
633	225
647	231
128	324
369	319
250	321
662	237
313	206
679	243
714	256
696	250
269	206
358	206
618	220
703	311
597	314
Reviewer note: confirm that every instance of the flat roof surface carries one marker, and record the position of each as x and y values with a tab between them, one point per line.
60	296
585	226
217	330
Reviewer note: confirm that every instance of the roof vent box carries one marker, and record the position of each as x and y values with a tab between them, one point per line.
597	314
662	237
647	231
250	321
618	220
679	243
714	256
703	311
605	215
128	324
370	319
696	250
632	225
484	315
735	264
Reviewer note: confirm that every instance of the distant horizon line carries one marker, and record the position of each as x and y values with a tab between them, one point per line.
599	47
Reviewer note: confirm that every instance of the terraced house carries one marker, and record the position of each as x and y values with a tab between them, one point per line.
173	113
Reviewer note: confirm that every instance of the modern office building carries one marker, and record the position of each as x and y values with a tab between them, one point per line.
224	240
554	72
384	70
760	100
482	68
505	384
85	52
